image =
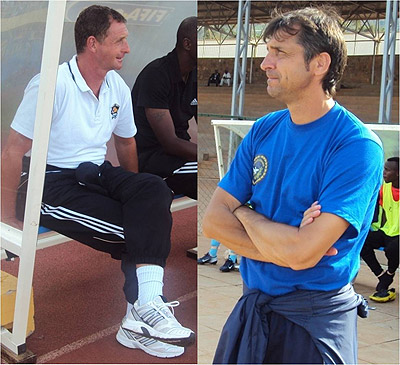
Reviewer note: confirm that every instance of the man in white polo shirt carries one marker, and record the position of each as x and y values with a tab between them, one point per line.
112	209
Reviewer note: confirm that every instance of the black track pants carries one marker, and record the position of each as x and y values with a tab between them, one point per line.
179	174
122	213
375	240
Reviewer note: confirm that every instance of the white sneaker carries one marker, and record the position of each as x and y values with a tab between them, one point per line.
156	320
148	345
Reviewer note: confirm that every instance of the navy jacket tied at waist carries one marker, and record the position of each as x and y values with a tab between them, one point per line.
244	338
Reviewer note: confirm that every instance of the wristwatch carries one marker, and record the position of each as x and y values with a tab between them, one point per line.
249	204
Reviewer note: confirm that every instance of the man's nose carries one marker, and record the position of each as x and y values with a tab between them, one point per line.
267	63
126	48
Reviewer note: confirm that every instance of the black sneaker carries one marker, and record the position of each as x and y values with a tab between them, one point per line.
228	266
384	282
207	259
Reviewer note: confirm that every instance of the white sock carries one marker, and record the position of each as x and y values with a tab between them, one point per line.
150	282
129	307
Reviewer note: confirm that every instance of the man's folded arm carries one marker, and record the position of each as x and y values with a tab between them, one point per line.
299	248
220	223
252	235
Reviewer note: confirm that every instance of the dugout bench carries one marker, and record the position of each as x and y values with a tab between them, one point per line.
12	241
25	243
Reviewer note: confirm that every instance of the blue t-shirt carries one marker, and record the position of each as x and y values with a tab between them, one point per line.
282	168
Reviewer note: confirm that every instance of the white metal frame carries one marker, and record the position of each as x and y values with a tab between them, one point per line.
11	238
182	203
15	341
234	126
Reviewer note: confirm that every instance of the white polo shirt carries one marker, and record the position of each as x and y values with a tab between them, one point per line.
81	123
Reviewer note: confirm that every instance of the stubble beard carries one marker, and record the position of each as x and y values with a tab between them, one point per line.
274	92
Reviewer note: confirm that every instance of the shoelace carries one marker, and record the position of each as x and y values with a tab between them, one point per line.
163	308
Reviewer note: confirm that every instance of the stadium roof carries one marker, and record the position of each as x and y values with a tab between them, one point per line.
360	17
211	13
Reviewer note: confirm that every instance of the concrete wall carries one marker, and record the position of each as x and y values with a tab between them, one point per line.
358	70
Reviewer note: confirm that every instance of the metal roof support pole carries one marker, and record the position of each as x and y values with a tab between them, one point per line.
388	62
252	56
376	45
373	63
239	73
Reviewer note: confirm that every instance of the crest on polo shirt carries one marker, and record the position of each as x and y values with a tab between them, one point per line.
260	168
114	111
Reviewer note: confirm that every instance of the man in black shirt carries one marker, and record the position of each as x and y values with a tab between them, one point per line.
164	100
215	78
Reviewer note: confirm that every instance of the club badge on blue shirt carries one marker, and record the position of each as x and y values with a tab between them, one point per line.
114	111
260	167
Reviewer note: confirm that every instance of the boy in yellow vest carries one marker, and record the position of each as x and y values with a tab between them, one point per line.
385	233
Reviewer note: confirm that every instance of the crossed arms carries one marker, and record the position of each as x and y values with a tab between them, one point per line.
252	235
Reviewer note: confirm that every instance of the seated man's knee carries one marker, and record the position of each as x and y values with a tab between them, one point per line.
158	189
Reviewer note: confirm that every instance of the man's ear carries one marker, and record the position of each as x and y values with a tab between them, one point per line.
187	44
322	63
91	43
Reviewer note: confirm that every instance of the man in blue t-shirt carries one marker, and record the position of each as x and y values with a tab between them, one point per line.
298	263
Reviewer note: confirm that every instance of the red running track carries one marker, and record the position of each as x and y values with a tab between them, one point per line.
79	302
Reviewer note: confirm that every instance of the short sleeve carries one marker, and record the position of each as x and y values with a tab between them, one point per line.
155	89
126	127
351	180
24	119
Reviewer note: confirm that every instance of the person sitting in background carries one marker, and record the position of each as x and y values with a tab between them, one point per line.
226	79
385	233
215	78
164	102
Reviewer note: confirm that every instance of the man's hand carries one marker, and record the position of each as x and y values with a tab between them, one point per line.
310	214
308	217
11	166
